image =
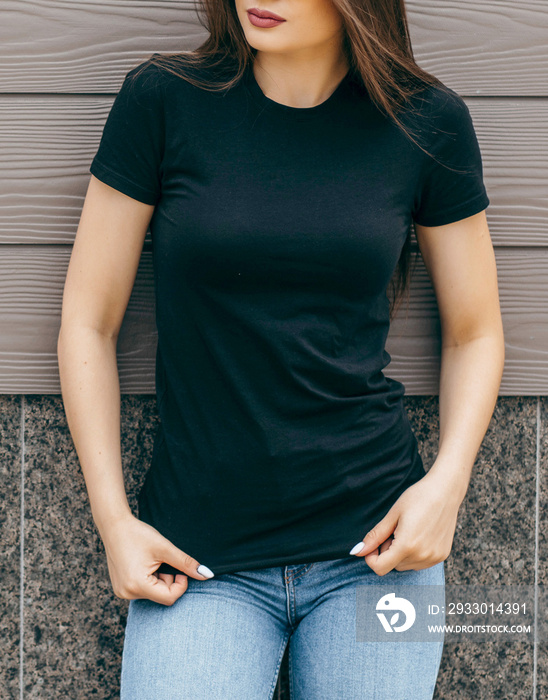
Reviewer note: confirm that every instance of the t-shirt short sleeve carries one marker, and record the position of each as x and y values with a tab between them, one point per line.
129	157
451	185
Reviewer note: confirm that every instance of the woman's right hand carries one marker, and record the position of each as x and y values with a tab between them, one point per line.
134	552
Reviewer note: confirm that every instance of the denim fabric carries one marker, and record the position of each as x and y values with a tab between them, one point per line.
225	637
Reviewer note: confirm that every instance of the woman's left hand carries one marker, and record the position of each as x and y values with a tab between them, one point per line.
418	531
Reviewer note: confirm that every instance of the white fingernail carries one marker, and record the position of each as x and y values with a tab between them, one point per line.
204	571
357	548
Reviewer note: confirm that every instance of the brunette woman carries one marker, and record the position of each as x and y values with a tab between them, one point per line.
281	167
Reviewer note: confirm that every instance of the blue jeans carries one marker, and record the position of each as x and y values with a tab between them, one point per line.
225	637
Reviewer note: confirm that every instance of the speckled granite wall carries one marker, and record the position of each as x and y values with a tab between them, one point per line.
62	628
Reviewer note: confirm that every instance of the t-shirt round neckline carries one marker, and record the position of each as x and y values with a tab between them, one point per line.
288	111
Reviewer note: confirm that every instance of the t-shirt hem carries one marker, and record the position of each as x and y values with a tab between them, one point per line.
270	563
121	183
461	211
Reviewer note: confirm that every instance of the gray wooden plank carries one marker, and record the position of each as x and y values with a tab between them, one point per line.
31	288
483	47
32	279
48	143
87	45
489	47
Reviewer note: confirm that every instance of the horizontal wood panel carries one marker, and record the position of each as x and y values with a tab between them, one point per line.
492	48
49	142
86	46
31	285
483	47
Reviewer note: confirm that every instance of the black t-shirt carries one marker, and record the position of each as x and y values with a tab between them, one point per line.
275	234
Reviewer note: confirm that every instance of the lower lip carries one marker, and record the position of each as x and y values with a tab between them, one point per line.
264	21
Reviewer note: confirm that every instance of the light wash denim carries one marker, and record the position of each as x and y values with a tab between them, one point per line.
225	637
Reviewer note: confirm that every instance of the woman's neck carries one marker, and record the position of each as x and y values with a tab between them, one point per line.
303	81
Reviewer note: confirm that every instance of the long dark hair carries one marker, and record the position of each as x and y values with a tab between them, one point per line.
378	49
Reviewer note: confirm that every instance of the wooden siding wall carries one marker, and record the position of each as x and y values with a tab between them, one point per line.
61	64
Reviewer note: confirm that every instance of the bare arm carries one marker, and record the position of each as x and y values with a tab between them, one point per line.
100	277
418	531
461	264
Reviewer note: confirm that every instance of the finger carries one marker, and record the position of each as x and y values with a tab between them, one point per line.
179	585
167	578
389	558
184	563
386	544
375	537
159	591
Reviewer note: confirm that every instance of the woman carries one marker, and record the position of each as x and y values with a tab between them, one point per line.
280	167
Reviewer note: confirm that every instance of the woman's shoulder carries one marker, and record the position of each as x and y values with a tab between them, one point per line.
163	68
439	118
149	75
143	86
441	104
